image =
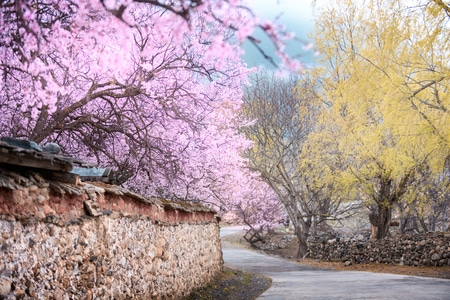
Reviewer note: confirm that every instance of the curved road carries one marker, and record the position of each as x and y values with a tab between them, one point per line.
291	280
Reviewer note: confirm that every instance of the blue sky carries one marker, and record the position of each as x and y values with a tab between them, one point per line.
295	14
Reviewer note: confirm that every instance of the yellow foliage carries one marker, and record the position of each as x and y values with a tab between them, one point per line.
386	90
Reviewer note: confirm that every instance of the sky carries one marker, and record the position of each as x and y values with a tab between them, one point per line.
297	15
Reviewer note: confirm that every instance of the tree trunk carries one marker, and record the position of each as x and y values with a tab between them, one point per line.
388	195
302	245
444	217
302	229
38	132
403	219
403	224
435	212
380	221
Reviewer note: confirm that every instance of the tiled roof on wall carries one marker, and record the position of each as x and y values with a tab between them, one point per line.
28	154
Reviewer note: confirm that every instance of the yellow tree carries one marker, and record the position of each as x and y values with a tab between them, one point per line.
386	95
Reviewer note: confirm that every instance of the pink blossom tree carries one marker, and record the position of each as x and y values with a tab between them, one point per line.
259	208
152	89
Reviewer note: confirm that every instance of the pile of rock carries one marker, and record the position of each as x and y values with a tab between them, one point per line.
431	249
277	242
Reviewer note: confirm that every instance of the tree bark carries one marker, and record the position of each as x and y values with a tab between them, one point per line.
380	221
403	219
302	245
444	217
302	228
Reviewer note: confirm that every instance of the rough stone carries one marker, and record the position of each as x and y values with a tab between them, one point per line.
71	249
92	208
48	210
435	257
417	250
5	287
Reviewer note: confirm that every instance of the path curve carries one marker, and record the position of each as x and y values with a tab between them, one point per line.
291	280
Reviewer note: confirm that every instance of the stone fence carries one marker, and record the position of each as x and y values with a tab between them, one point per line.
99	241
422	250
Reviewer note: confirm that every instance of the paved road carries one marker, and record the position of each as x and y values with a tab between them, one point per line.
292	280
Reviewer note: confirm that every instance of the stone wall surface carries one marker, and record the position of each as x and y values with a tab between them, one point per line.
421	250
101	242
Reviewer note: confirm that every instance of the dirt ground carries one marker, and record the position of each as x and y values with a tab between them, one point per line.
291	250
231	285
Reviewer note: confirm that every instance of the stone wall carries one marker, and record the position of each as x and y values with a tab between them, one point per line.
96	241
429	250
